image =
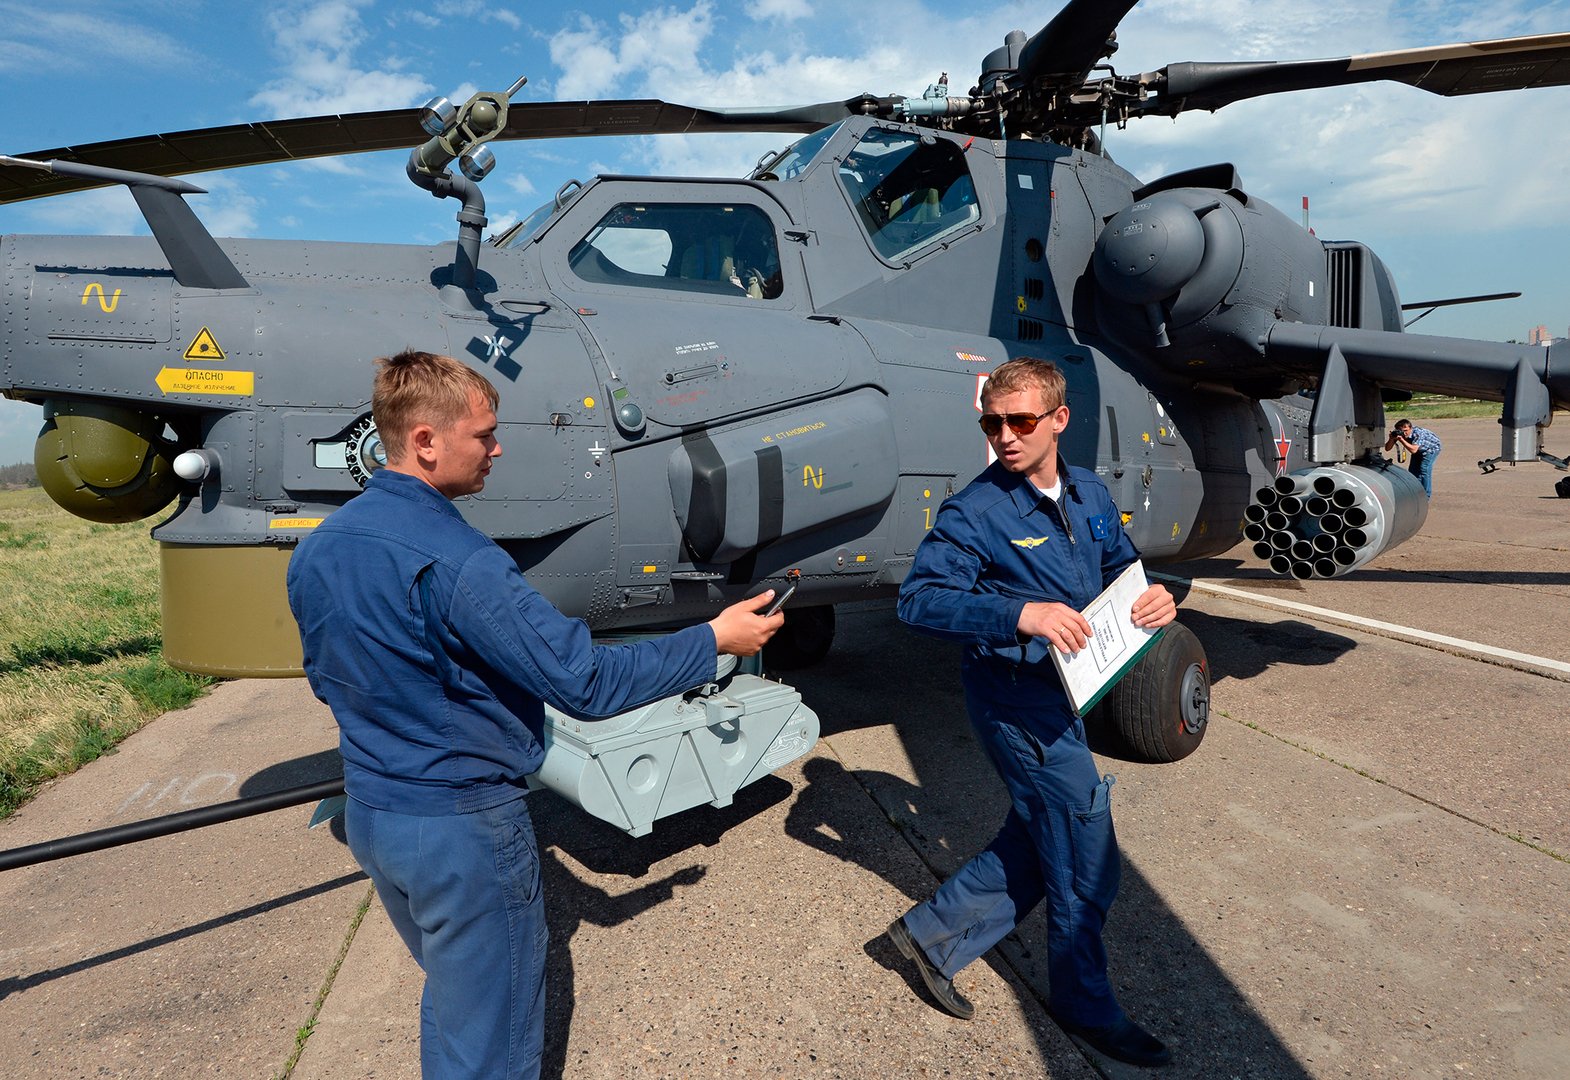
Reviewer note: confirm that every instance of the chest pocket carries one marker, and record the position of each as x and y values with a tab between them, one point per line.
1100	526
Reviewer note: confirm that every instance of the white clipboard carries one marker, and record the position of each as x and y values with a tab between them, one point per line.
1115	644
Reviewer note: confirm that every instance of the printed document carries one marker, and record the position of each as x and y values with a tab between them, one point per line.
1115	642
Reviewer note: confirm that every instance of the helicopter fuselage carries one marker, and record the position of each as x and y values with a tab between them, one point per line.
705	384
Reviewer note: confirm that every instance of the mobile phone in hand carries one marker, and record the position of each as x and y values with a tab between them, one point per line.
780	598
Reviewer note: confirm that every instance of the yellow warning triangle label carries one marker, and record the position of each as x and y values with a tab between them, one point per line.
204	347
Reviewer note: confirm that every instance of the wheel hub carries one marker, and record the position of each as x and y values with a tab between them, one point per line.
1194	700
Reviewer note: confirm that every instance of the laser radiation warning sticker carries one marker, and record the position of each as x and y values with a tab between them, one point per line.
204	347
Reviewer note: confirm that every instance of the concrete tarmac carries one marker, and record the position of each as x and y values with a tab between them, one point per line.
1364	870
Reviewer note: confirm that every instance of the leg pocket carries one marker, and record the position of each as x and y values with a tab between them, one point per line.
517	856
1097	866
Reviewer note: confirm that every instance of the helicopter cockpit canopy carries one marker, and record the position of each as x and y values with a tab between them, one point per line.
791	162
524	231
719	248
908	189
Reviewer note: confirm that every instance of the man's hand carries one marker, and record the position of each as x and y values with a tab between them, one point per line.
1058	623
1069	631
1155	607
740	630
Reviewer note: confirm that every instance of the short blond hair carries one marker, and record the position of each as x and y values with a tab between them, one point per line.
415	388
1028	373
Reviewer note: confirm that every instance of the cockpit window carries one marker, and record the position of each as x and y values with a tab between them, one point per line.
727	250
793	161
522	232
908	191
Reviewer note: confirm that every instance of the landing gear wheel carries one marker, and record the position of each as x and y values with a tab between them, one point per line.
1562	488
803	640
1158	712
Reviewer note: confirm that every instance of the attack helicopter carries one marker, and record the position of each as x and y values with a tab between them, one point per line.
708	386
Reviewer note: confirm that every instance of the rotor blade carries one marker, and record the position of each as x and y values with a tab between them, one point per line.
354	133
1459	300
1476	67
1063	52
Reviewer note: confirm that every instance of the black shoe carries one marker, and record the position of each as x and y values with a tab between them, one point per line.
1122	1041
942	989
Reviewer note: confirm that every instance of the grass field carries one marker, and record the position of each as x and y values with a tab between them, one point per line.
1439	407
80	662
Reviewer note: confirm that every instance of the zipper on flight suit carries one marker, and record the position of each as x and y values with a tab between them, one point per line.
1062	515
1068	530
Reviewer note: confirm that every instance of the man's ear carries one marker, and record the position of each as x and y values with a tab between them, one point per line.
1060	420
422	442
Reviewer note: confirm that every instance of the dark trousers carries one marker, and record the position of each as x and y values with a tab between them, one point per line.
1056	844
463	891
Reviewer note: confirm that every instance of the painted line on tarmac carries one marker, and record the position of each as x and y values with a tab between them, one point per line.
1488	654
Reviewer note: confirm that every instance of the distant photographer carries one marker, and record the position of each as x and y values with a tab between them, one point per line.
1422	445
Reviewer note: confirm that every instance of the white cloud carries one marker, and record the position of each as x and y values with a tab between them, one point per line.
228	209
664	40
317	43
75	39
107	211
588	67
476	10
500	223
519	184
781	10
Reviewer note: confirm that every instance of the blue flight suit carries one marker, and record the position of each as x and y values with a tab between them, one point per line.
994	546
436	657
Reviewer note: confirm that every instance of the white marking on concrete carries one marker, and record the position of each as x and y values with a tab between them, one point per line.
1537	665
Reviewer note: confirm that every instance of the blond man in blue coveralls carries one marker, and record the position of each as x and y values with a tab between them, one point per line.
437	657
1008	566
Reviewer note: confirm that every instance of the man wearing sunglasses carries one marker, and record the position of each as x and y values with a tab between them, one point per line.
1008	566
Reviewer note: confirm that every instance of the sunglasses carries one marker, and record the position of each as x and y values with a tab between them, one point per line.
1020	423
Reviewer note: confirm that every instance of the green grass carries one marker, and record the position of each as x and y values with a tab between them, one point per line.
1440	407
80	660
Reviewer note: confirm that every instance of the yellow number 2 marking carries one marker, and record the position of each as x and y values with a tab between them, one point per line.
108	304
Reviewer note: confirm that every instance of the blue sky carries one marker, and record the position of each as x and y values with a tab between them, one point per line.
1458	196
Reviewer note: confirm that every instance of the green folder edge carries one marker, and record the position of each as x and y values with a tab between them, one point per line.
1122	671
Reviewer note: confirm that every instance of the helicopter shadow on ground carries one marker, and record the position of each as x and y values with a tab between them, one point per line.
299	772
1246	648
955	804
1236	571
152	944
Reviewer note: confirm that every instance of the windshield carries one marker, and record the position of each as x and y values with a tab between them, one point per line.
908	190
794	159
525	229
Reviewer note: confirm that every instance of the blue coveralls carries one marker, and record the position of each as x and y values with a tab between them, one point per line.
435	656
994	546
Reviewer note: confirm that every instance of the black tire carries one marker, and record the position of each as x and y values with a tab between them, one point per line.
1562	488
1158	712
804	640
